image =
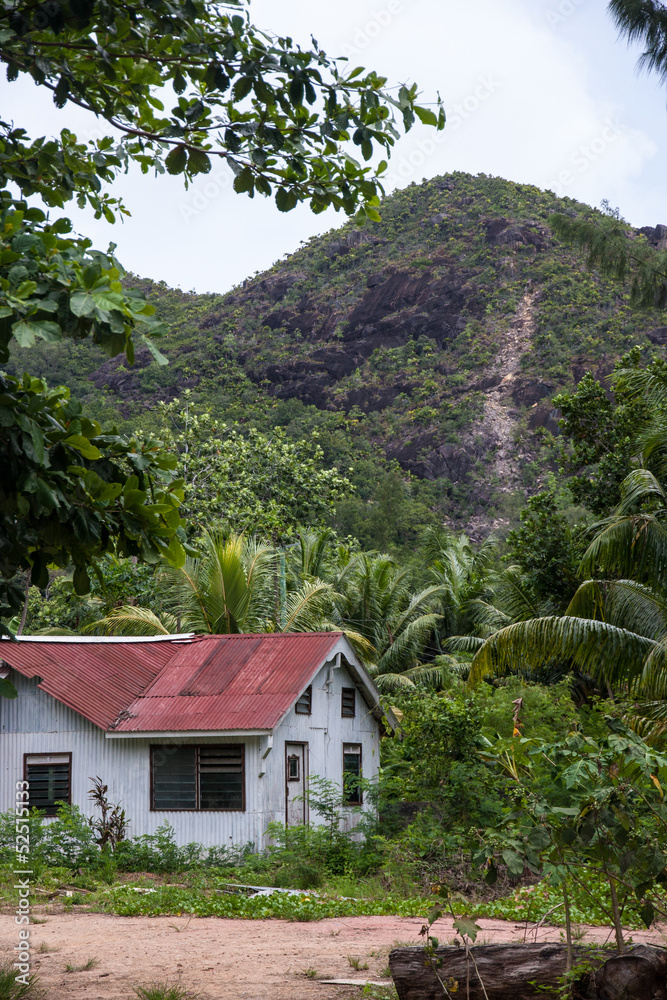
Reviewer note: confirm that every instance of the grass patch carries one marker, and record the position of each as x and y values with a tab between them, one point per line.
11	990
163	991
89	964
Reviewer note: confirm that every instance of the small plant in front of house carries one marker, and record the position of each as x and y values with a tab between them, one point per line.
111	826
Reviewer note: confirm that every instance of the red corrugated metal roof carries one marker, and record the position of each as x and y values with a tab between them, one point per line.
209	683
97	680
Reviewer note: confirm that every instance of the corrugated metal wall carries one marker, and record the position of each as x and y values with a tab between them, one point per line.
36	723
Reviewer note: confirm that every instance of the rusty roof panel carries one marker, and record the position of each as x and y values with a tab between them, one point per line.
230	682
209	683
97	680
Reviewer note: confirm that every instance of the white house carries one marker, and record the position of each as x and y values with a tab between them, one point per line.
218	735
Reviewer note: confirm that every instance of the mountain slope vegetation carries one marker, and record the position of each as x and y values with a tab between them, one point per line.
423	352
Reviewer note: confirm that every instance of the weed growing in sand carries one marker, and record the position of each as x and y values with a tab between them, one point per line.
91	963
162	991
310	973
11	990
356	963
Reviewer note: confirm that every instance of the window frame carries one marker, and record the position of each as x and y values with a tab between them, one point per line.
309	693
348	691
346	801
63	753
197	747
297	776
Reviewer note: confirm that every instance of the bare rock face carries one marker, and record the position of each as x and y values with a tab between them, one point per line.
658	336
656	235
406	305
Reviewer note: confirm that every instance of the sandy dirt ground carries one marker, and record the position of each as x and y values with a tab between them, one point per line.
225	959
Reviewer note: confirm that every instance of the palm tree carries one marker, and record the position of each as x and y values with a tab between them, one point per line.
228	589
478	598
615	628
464	574
373	597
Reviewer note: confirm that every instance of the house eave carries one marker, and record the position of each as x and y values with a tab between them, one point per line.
157	734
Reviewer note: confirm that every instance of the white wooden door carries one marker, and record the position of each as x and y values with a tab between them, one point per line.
296	783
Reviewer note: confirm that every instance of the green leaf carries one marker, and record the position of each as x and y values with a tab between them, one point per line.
157	355
244	182
199	162
286	200
513	861
426	116
467	927
7	689
647	913
24	333
539	837
81	581
83	445
82	304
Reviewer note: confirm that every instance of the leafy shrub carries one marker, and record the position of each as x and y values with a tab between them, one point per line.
158	852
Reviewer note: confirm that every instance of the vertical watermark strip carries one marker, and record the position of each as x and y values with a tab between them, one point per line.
22	868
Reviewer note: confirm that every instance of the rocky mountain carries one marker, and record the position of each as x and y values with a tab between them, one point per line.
432	341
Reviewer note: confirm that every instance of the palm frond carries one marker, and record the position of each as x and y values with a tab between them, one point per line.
418	604
629	548
604	651
306	609
637	489
408	645
624	603
389	683
486	617
651	686
650	383
513	597
462	644
131	620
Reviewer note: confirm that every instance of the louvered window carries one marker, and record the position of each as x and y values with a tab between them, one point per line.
49	780
304	705
348	703
209	777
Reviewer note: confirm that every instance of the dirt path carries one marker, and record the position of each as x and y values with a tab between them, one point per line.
229	959
496	419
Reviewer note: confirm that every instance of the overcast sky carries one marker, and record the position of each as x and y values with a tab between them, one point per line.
536	91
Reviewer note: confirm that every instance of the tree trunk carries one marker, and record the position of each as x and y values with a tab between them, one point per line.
522	971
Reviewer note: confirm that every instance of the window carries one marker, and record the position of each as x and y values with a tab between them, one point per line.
305	703
49	778
198	777
352	774
293	769
348	703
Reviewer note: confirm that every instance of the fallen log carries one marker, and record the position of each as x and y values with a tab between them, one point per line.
524	971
